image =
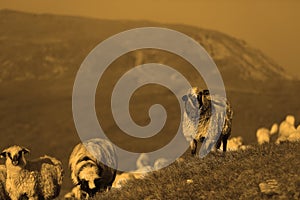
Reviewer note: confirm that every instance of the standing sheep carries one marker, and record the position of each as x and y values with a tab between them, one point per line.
263	135
88	170
37	179
207	118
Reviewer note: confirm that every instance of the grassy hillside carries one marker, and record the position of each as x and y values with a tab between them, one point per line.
234	176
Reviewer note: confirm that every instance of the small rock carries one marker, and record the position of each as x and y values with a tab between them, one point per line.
270	187
189	181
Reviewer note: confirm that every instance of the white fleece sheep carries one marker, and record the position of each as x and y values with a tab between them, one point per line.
295	136
286	128
88	169
36	179
142	161
207	118
122	179
143	167
263	135
236	144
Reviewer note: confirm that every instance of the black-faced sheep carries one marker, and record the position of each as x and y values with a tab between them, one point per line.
36	179
89	171
207	118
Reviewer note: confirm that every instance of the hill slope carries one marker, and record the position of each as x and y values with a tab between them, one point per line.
235	176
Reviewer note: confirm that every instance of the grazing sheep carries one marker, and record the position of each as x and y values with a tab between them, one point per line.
295	136
263	135
286	128
3	193
88	169
123	178
36	179
236	144
143	167
202	119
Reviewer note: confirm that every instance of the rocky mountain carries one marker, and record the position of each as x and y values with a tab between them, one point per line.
46	46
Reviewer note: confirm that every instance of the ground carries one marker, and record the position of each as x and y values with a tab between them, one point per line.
236	175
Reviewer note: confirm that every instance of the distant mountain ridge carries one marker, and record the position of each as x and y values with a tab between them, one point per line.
44	46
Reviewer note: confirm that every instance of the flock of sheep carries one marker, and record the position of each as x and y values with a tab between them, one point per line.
286	131
207	118
42	178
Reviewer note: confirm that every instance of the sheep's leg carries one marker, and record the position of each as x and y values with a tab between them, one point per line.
224	143
193	145
218	144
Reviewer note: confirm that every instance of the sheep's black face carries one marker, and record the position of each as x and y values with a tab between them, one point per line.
16	158
89	179
84	186
15	155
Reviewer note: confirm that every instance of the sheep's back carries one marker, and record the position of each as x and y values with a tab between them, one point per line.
3	193
51	175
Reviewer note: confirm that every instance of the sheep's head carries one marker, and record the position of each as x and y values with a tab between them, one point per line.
15	155
191	100
89	179
197	98
204	99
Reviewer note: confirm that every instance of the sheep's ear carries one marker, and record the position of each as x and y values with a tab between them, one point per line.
3	154
25	150
184	98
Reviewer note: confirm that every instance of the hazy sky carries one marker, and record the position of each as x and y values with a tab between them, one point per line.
272	26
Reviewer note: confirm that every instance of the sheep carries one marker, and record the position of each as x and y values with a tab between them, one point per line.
286	128
263	135
37	179
143	167
235	144
3	193
295	136
202	117
142	161
123	178
88	166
